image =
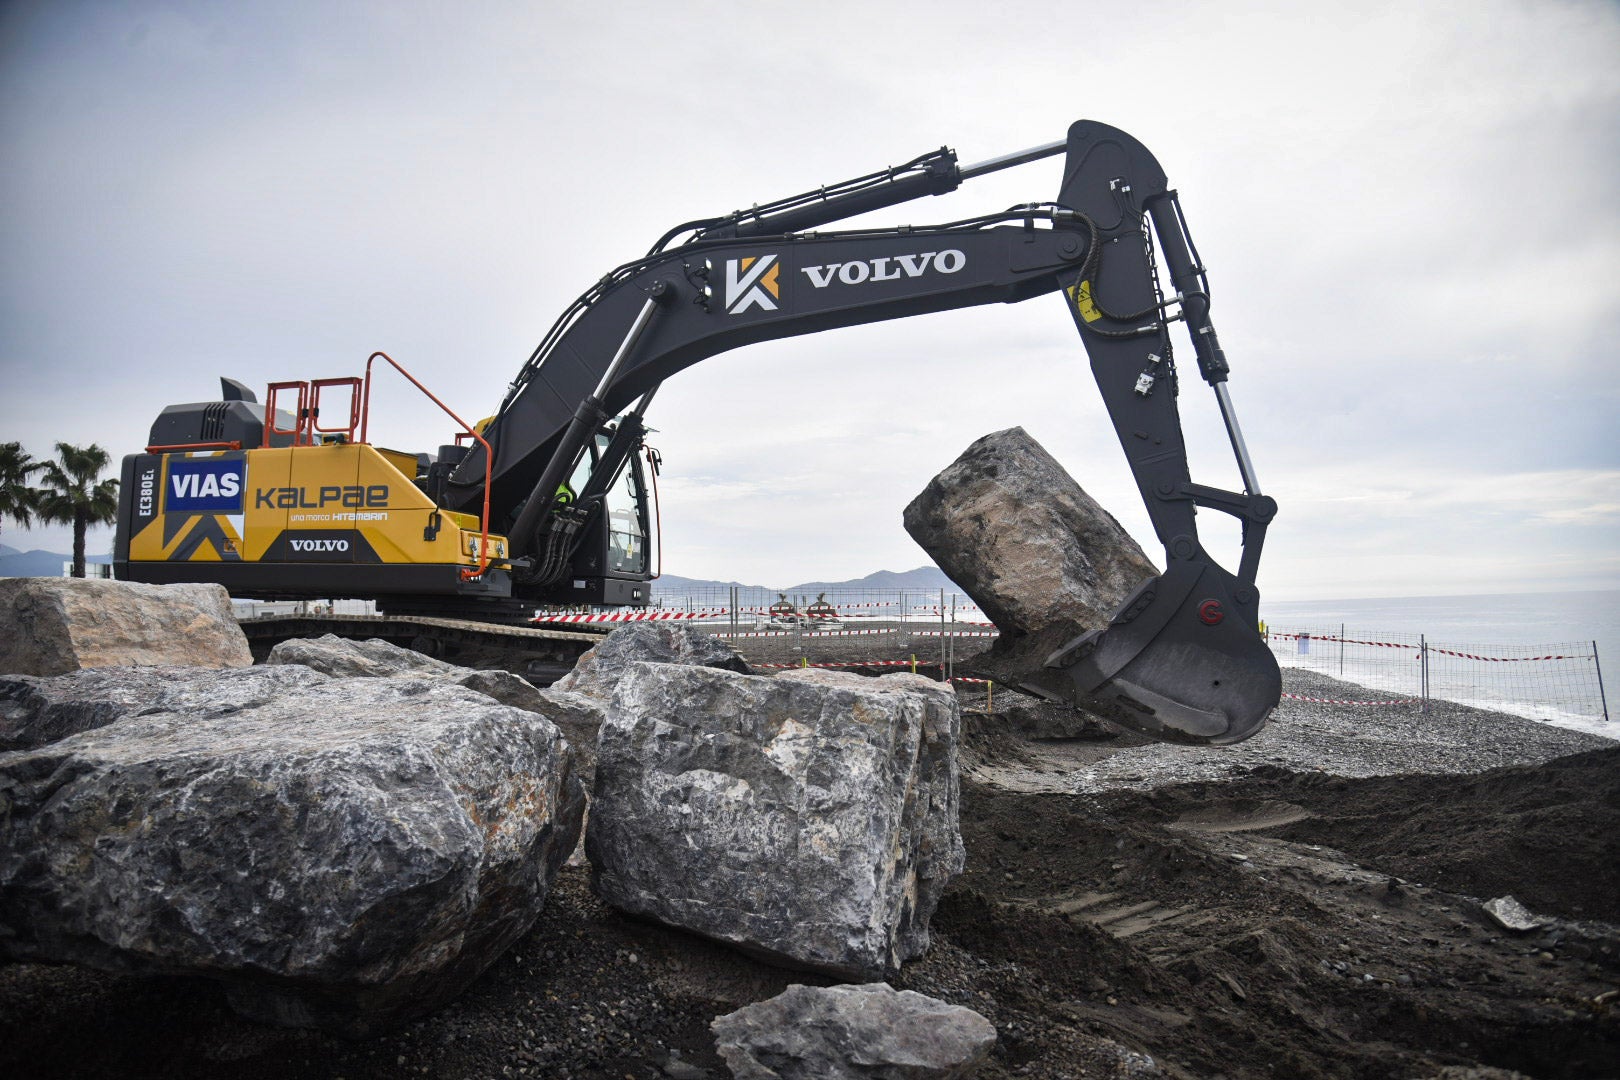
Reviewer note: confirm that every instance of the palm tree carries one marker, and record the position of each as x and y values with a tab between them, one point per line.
71	496
16	497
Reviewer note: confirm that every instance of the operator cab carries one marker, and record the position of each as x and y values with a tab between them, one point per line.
613	561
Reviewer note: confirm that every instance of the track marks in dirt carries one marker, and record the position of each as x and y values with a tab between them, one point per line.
1183	923
1240	815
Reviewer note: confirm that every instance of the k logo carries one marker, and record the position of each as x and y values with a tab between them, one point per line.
752	282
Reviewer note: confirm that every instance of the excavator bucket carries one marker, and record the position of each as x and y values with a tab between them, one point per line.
1181	660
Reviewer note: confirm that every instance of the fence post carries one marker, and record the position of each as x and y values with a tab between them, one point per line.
1341	650
1601	695
1423	661
944	673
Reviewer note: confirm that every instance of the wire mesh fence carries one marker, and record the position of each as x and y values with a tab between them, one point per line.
877	603
1562	681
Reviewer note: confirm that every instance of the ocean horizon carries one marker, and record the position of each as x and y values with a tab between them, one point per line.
1486	618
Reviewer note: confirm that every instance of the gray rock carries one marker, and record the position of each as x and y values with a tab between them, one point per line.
809	818
852	1033
599	670
49	626
346	658
1509	914
37	710
1041	558
339	854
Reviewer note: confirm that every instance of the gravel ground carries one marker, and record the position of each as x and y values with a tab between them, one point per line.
1305	737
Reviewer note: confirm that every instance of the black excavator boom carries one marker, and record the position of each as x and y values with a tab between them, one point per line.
1183	659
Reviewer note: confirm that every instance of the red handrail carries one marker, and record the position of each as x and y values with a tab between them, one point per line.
467	429
315	389
300	416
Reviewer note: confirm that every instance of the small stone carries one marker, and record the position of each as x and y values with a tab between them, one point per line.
1511	915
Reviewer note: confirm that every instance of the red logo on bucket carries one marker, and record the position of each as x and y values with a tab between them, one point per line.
1210	612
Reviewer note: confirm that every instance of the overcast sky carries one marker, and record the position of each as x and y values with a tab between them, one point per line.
1410	213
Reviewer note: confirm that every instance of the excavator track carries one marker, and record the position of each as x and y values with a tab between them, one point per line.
540	655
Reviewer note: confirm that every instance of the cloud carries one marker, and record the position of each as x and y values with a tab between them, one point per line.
1410	213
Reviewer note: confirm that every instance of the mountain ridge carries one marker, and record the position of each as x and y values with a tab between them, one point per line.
922	579
38	563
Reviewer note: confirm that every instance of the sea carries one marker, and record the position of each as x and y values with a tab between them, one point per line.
1506	619
1537	655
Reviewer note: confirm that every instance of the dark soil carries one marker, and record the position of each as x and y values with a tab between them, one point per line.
1276	924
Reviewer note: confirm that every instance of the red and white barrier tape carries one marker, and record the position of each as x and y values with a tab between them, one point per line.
1418	648
1338	701
617	616
1346	641
1504	659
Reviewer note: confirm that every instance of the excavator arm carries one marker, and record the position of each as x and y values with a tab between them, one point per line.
1182	658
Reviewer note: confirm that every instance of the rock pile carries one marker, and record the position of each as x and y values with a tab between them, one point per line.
346	837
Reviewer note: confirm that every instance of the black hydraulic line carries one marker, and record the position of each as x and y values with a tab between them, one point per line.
937	176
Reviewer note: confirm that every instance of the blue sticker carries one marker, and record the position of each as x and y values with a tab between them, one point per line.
206	486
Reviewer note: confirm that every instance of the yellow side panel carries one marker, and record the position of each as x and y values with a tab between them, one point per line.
331	504
405	463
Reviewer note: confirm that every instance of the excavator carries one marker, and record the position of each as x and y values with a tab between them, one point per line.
547	501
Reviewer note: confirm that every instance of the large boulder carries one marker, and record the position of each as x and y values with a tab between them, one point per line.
339	854
853	1033
1041	558
809	818
49	626
599	670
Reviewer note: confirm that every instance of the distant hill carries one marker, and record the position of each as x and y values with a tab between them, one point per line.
672	588
14	563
